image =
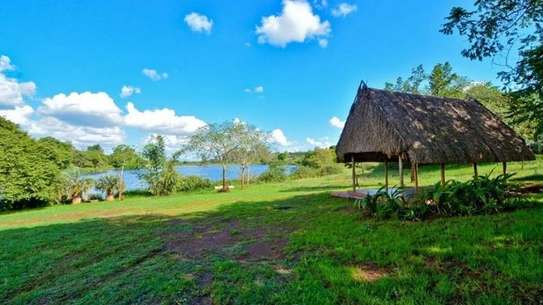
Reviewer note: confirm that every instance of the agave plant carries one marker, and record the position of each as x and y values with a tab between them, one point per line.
109	185
75	186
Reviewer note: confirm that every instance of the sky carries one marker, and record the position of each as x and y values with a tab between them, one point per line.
118	72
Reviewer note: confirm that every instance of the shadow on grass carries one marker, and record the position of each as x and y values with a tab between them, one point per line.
260	253
319	188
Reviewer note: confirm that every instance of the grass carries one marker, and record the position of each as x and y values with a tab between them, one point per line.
287	243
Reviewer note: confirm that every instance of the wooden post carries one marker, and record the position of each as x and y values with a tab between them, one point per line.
416	172
475	174
386	175
442	166
400	169
504	165
353	164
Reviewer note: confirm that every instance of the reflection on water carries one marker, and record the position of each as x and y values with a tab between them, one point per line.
211	172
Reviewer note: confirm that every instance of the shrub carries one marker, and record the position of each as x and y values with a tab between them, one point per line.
305	172
273	174
483	195
331	169
193	183
109	185
74	186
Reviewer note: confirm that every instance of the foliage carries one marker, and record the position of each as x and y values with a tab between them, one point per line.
218	143
159	173
302	172
109	185
483	195
319	158
94	157
74	186
57	150
193	183
124	156
28	176
495	27
444	82
274	173
252	148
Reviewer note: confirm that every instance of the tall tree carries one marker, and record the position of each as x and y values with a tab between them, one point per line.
217	143
159	171
124	156
252	148
444	82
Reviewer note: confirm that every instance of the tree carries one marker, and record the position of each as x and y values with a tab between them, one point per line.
496	27
57	150
28	177
218	143
252	148
159	172
412	84
109	185
444	82
75	186
124	156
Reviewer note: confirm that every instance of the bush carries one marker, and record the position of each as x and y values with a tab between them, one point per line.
305	172
331	169
193	183
110	185
483	195
273	174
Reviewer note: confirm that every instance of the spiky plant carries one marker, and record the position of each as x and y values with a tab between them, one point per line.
109	185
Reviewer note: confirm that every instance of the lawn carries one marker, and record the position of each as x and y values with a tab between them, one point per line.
284	243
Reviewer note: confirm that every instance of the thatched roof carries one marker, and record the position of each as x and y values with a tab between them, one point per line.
426	129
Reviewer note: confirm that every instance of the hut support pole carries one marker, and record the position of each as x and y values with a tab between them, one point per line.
386	175
353	164
475	173
442	167
400	169
504	165
416	172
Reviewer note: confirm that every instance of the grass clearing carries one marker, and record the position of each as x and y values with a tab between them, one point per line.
286	243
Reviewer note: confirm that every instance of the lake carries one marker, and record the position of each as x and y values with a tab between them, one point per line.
212	172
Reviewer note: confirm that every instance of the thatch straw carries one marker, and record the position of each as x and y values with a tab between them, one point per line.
426	129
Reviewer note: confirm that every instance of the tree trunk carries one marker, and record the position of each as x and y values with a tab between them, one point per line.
413	169
224	187
76	199
110	197
241	176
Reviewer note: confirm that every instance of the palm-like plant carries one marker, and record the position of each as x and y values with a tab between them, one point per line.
109	185
75	186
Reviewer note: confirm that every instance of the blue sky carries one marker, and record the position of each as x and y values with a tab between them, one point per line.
284	66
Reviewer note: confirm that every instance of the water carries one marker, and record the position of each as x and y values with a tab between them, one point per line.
211	172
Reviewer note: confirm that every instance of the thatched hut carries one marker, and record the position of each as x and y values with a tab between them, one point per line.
383	126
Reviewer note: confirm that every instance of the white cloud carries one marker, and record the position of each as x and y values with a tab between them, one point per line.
83	109
172	142
81	136
19	115
257	90
295	24
5	64
163	121
321	143
337	122
199	23
320	3
12	92
154	75
323	43
278	137
127	91
344	9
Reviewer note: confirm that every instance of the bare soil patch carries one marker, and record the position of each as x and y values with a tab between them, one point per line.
368	273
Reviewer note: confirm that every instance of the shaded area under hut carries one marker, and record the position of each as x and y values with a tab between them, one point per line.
386	126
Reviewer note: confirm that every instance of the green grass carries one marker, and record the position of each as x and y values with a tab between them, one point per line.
287	243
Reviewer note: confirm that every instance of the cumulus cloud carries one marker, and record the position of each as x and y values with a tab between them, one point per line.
256	90
321	143
337	122
83	109
127	91
154	75
344	9
13	92
296	23
278	137
172	142
199	23
163	121
80	136
19	115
